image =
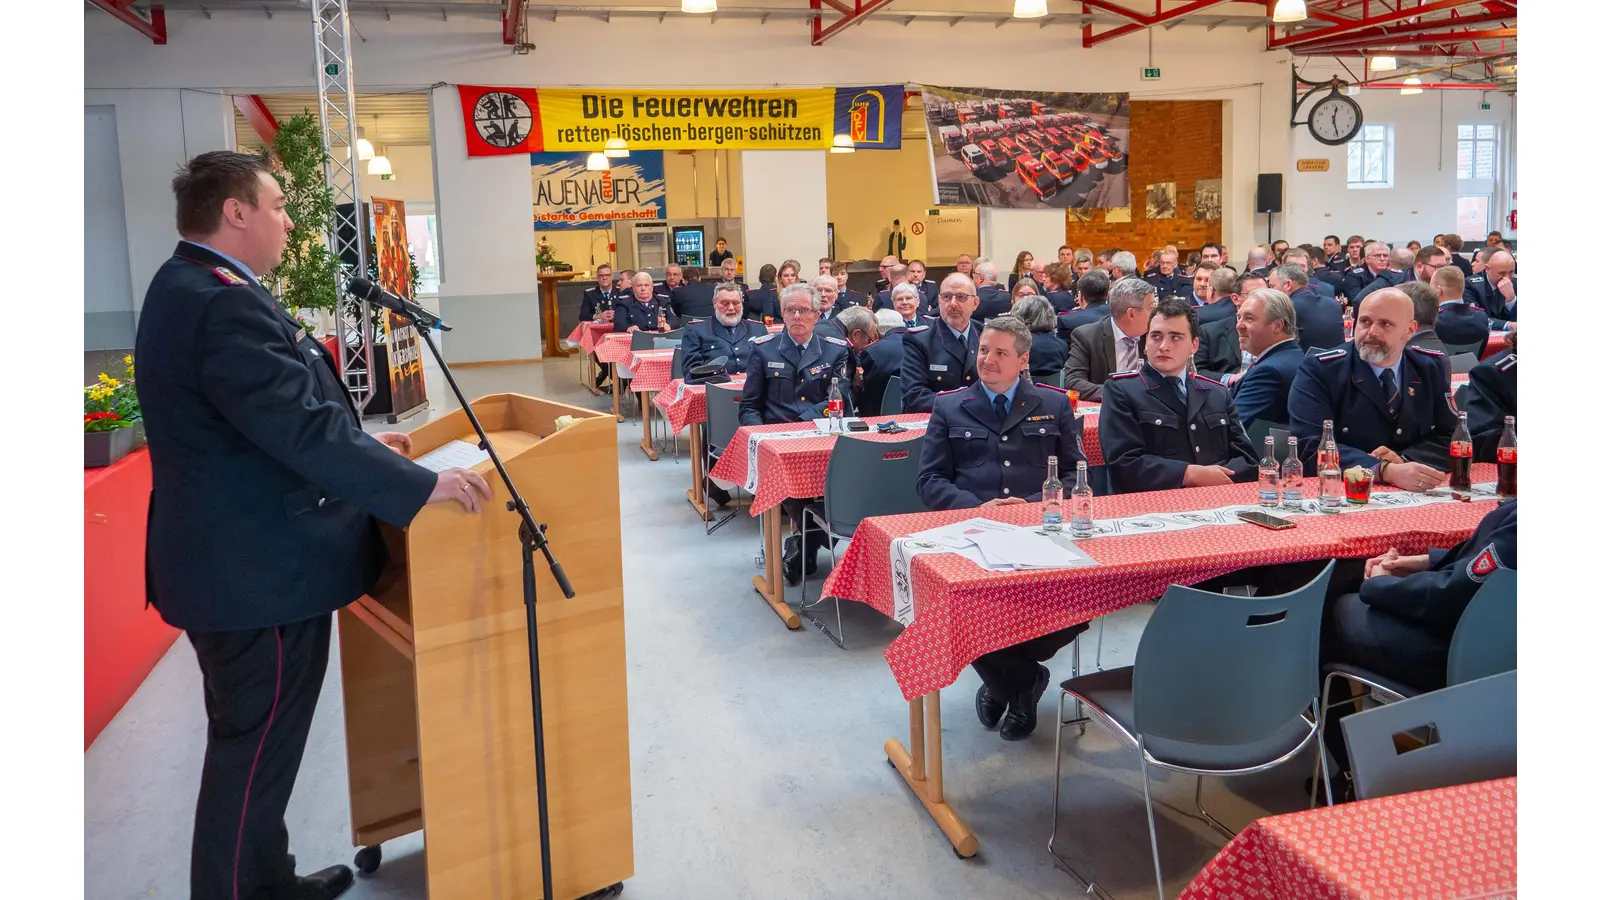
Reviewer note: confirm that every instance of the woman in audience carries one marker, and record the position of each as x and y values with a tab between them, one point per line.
1022	268
1413	246
1057	278
788	273
1024	288
1048	355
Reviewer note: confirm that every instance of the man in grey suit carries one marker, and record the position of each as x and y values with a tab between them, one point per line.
1113	344
1426	302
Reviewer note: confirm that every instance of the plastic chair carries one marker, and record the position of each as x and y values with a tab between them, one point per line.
1457	349
1463	391
1462	363
722	420
1220	686
1261	429
891	398
1470	731
1483	644
865	478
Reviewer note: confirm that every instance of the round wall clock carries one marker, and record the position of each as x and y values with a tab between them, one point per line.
1335	119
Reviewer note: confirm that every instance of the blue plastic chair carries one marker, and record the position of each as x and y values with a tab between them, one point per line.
1469	734
890	406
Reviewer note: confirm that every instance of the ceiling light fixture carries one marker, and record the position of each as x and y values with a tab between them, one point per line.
616	148
699	6
1414	86
1030	9
379	165
842	144
597	162
1287	11
1384	64
363	146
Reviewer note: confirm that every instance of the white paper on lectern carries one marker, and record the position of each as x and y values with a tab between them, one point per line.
454	455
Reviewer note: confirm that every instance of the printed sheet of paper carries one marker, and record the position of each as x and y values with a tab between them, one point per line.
454	455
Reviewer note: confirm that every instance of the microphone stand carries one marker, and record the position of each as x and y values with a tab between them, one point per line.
532	535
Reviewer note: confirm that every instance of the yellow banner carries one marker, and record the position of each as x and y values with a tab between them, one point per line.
731	119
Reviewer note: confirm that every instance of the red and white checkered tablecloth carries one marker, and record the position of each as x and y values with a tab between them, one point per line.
797	467
615	347
652	369
587	334
683	405
1496	343
964	611
1444	844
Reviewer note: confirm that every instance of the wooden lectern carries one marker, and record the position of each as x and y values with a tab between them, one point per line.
438	712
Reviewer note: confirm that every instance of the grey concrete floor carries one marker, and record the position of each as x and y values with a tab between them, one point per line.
757	753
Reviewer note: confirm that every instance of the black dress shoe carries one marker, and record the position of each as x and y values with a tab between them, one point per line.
791	560
1023	713
717	495
990	708
324	885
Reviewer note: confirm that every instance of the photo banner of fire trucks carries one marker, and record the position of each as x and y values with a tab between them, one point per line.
1027	149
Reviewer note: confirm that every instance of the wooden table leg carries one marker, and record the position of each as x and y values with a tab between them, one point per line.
647	443
616	393
588	367
770	585
697	484
923	769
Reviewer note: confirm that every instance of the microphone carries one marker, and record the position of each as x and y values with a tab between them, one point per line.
362	289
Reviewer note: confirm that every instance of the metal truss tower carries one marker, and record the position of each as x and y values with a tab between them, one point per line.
336	109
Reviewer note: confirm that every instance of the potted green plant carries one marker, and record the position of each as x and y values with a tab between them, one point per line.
306	280
113	425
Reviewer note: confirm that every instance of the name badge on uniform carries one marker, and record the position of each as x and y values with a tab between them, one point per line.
938	368
774	365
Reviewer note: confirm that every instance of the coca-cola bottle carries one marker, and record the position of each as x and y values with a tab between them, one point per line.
1461	460
1506	458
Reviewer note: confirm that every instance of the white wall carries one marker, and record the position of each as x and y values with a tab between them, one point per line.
413	175
157	131
1003	233
786	207
107	280
1422	201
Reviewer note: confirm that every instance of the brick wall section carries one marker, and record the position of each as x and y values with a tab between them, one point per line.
1178	141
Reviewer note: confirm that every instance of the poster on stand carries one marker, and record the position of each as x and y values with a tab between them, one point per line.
567	196
406	390
1027	149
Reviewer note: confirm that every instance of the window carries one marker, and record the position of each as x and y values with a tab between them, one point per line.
422	237
1472	217
1475	151
1368	160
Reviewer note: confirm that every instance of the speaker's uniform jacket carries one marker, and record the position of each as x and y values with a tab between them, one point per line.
787	383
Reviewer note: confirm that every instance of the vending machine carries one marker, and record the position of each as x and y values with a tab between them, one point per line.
689	246
650	251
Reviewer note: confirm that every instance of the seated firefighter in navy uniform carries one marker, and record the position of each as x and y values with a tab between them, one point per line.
989	444
727	334
787	380
645	310
1163	428
942	356
1388	401
598	306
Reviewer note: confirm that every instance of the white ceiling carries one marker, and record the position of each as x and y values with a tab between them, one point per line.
388	119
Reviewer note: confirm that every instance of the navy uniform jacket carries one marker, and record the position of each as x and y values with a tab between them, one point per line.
1047	356
762	302
1339	262
936	361
695	300
1319	321
1088	315
1173	285
883	300
828	321
970	457
1488	298
1436	597
1063	300
1462	324
1220	309
1491	397
848	297
264	488
1263	392
709	339
594	301
1356	280
1386	278
783	384
992	301
930	293
1150	434
631	312
1336	384
1219	353
880	362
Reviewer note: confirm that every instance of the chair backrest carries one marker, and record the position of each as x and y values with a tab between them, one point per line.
1458	349
722	417
870	478
642	340
1462	363
677	361
891	398
1059	379
1227	670
1261	429
1470	729
1485	640
1463	392
667	343
676	336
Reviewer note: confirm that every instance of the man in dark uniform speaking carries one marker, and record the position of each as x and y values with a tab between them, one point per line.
727	333
262	506
989	444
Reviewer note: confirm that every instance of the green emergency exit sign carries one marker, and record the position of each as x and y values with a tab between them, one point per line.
1483	105
1151	74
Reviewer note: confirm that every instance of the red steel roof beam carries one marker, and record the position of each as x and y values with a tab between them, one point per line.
510	20
256	113
820	35
1398	31
1439	37
1369	25
1141	20
154	28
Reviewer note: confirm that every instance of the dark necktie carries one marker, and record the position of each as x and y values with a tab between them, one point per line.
1391	392
1000	408
1177	384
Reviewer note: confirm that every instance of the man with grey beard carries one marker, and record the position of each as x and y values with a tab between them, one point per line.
1389	402
727	333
